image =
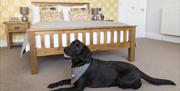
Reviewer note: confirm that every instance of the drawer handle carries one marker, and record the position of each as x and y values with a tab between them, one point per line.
16	27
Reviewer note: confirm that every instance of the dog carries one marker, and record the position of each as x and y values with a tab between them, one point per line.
98	74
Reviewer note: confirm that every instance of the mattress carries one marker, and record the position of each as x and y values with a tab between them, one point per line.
72	25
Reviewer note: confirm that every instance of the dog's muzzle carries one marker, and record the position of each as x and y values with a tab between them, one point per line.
66	56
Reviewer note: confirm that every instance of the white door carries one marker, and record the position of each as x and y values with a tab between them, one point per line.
133	12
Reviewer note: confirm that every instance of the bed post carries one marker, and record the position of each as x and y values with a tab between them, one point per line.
33	53
131	50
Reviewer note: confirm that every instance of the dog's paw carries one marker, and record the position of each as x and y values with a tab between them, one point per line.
52	85
57	90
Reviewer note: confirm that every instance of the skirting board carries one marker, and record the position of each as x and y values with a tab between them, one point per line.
3	43
174	39
140	35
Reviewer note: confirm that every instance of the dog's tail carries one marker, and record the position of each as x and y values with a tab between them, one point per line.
156	81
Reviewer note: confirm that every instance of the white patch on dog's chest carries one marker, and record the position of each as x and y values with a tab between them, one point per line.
77	72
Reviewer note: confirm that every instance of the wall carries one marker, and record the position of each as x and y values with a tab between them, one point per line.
10	8
133	12
153	19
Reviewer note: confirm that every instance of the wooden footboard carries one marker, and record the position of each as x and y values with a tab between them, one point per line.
127	41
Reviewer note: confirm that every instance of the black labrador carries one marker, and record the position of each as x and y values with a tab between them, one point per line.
103	73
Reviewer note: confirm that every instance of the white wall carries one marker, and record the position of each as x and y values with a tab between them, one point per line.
133	12
153	19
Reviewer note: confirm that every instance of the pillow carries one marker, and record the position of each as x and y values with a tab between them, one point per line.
79	15
50	16
36	10
50	13
67	9
35	14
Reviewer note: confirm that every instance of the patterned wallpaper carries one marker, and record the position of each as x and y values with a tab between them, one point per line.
10	8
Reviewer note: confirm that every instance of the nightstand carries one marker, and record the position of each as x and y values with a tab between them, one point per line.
14	27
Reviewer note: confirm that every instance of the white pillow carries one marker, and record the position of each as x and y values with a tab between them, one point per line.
35	14
65	10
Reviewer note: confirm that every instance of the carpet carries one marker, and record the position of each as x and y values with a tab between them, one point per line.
157	58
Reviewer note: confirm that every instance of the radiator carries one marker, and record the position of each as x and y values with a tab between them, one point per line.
170	21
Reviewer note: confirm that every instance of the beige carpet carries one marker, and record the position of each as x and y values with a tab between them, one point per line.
156	58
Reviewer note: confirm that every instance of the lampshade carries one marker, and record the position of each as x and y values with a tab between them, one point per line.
95	11
24	10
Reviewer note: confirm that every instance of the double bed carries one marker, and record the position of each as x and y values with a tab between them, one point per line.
50	38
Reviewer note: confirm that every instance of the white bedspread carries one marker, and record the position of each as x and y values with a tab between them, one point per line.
74	25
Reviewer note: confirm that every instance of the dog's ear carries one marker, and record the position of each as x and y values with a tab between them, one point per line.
86	56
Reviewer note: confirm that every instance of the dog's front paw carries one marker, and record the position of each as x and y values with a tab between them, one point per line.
57	90
52	85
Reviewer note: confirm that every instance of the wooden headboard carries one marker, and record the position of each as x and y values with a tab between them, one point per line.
62	3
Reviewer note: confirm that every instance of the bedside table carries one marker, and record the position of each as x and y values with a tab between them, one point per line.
14	27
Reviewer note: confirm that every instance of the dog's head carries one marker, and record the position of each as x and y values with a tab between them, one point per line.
77	50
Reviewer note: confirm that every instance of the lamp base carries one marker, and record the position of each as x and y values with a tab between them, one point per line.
24	19
96	17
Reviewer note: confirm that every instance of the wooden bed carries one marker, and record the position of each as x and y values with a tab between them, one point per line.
35	52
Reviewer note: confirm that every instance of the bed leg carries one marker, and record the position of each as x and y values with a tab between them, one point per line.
33	53
131	50
33	60
131	54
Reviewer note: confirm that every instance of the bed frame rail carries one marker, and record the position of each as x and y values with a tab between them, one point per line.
122	40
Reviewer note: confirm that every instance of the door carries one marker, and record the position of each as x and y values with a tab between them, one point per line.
133	12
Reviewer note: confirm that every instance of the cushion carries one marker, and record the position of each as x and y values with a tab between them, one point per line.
67	9
50	14
63	10
80	14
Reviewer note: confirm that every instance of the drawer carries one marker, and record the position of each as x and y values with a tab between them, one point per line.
17	27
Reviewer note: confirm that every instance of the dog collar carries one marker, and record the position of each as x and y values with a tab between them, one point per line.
77	72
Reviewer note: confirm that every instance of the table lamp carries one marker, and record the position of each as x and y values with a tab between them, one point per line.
96	14
24	11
